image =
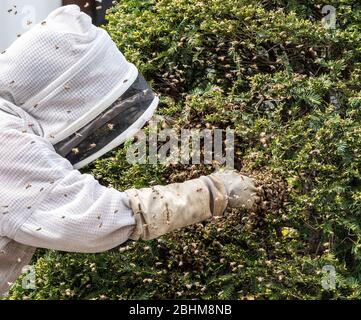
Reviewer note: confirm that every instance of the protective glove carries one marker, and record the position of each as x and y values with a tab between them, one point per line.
161	209
241	190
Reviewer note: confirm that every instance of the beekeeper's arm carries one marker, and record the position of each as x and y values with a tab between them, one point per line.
48	204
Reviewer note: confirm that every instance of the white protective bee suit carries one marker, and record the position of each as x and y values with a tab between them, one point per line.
68	96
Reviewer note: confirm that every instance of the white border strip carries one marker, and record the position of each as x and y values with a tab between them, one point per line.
127	134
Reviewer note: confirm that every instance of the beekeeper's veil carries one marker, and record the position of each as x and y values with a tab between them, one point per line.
69	76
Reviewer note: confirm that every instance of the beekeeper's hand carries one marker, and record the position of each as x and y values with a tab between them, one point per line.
241	190
161	209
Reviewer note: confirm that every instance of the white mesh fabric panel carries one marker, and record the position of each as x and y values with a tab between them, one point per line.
45	203
33	61
80	93
62	69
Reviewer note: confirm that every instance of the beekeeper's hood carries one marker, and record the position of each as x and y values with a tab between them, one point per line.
70	77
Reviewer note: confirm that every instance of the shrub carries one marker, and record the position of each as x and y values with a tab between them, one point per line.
290	88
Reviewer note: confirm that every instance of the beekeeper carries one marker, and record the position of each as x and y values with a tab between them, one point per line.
68	96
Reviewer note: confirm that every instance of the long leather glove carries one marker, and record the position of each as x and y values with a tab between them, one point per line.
161	209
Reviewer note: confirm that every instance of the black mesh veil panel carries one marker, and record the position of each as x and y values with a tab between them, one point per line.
109	125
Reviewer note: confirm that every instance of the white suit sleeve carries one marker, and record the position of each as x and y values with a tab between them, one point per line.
45	203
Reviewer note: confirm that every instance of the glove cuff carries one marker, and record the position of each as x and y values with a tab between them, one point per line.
219	197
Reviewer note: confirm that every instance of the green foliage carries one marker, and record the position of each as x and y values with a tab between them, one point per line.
291	89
